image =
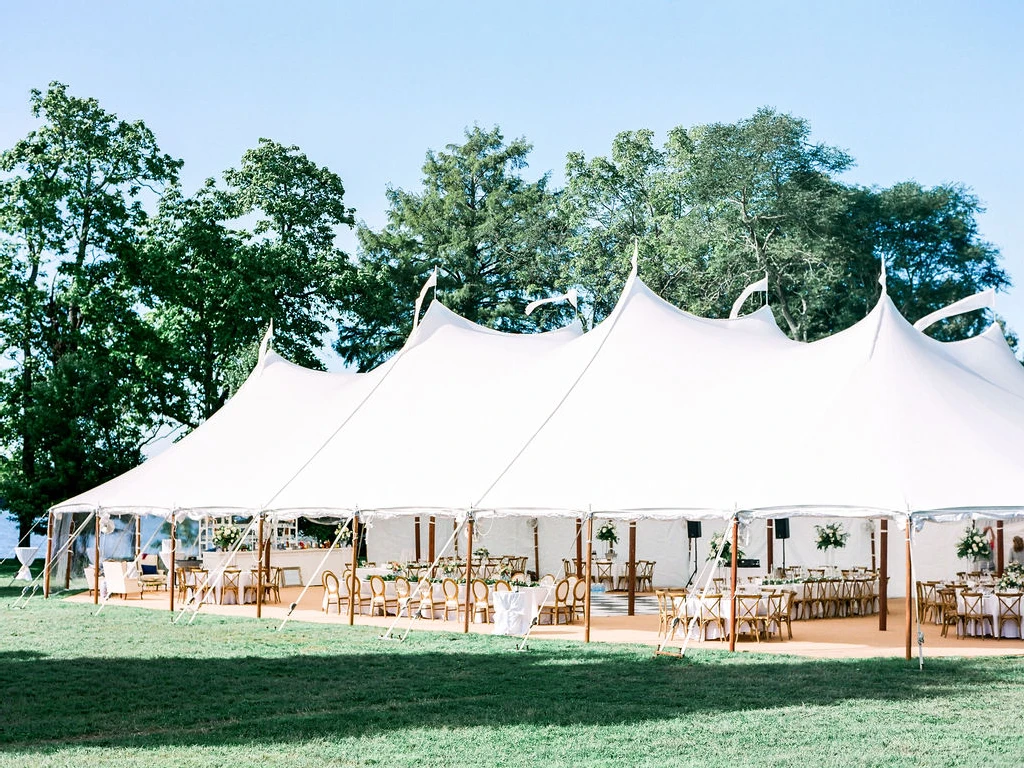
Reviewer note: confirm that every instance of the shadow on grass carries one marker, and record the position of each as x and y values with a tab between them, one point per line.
215	701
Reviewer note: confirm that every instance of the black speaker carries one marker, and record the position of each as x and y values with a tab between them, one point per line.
782	528
693	529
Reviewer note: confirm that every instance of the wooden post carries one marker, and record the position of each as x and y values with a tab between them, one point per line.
579	549
138	536
49	554
430	541
874	565
631	571
589	566
96	558
174	559
770	533
416	533
999	547
259	568
354	584
536	548
732	596
883	574
469	572
71	560
909	600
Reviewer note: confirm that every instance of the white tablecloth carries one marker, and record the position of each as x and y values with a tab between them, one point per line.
515	611
990	606
25	556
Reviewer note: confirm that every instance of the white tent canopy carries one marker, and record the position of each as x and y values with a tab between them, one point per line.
655	413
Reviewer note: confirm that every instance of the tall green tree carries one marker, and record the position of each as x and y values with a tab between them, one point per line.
494	237
74	401
213	287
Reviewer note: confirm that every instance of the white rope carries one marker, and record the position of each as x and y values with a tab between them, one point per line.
319	568
217	573
420	583
33	585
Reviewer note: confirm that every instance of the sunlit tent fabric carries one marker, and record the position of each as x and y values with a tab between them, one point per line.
653	413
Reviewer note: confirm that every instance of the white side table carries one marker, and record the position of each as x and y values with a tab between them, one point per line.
25	556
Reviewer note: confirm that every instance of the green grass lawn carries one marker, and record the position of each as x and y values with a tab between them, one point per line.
128	688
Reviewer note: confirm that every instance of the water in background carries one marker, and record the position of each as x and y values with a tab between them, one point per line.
118	545
9	539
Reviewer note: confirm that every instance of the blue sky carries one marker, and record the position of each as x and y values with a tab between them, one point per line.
916	90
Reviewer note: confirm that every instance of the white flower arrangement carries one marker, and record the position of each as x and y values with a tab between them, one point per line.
831	536
973	546
722	547
226	536
1012	579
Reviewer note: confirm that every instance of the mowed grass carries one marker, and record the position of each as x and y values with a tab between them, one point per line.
128	688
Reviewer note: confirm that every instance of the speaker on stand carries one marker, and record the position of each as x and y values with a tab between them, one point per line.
782	532
693	532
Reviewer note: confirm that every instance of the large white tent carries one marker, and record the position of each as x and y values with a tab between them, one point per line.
654	413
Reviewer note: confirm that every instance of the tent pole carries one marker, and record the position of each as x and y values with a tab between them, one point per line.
883	574
589	566
536	548
631	570
469	571
732	596
174	558
579	549
96	559
49	554
430	540
770	533
999	547
259	568
355	562
138	536
416	534
874	564
909	599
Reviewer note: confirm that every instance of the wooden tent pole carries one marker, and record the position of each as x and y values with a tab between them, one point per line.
909	599
579	549
416	535
431	524
96	559
354	589
631	571
259	568
770	535
589	566
732	596
49	554
138	536
469	572
174	559
883	574
536	548
999	547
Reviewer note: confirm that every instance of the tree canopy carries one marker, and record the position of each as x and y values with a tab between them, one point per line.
129	306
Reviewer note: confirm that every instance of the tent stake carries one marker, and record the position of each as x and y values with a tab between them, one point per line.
469	571
96	557
883	574
732	597
354	584
590	558
631	571
909	599
49	554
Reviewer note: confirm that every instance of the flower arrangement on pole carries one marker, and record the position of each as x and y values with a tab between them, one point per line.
344	535
973	545
830	538
720	549
609	536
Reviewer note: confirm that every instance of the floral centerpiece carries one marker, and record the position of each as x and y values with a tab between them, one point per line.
973	545
344	535
226	537
481	552
609	536
722	548
831	536
1013	578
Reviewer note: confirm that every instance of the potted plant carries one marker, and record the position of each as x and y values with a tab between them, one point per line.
610	537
